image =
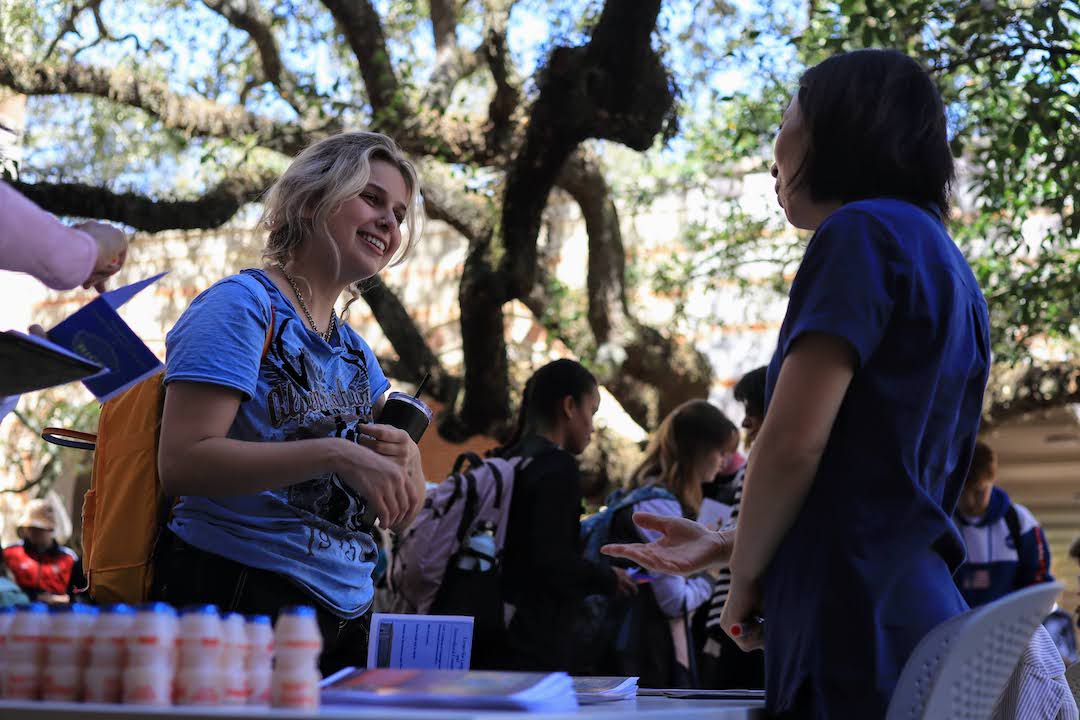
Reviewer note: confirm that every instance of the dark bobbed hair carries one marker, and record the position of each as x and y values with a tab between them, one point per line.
982	459
750	391
877	129
543	395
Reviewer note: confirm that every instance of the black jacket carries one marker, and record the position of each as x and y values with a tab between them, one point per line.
545	576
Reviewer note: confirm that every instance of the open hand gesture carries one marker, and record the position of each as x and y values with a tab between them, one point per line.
684	547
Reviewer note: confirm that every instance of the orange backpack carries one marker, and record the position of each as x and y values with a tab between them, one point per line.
125	510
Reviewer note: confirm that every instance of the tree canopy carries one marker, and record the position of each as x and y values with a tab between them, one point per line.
174	114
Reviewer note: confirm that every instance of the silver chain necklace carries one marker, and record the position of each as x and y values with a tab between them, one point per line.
303	306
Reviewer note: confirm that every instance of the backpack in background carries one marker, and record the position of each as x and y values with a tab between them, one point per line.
449	561
471	503
596	529
603	627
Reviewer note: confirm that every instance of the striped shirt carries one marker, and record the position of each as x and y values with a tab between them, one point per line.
1037	689
722	586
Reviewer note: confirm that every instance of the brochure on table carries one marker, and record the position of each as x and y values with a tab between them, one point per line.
420	642
592	690
549	692
96	332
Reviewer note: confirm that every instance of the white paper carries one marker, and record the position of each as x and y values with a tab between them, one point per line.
420	642
714	514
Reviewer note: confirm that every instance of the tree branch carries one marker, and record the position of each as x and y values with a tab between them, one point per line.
481	293
444	200
253	19
615	87
69	24
190	114
452	65
211	210
363	31
1035	387
504	102
631	354
608	313
413	351
444	19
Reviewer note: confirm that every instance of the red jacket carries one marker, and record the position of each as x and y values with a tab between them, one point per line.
58	570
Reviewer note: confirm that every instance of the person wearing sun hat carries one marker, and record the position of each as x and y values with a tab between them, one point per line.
43	568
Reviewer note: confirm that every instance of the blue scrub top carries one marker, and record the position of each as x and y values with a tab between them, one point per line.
865	571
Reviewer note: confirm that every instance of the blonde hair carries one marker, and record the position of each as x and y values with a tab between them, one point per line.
319	180
678	446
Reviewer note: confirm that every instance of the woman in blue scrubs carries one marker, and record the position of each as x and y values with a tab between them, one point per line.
844	544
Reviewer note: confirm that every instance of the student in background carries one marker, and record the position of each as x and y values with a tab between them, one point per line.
845	544
43	568
1006	548
267	436
34	242
724	664
545	577
689	448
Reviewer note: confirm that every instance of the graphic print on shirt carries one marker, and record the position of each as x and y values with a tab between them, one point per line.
305	403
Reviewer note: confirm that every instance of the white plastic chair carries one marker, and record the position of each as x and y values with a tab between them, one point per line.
1072	674
959	669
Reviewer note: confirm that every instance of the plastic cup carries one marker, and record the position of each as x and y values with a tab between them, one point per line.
406	412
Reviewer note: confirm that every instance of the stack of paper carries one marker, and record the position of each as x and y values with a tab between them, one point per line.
592	690
546	692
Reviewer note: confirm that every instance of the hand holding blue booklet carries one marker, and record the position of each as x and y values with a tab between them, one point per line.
96	334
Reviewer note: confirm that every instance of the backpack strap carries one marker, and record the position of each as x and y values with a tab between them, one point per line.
66	437
472	458
1012	521
469	513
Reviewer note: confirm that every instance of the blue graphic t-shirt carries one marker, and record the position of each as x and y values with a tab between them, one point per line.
310	532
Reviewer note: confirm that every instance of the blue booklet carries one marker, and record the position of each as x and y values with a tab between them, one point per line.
97	333
28	362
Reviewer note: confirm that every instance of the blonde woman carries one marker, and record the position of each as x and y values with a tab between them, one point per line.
267	435
689	448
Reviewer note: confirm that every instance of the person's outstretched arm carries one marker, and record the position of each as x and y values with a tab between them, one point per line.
682	547
32	241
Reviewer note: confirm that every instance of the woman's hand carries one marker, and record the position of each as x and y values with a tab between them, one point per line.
112	245
741	618
381	480
394	443
684	547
